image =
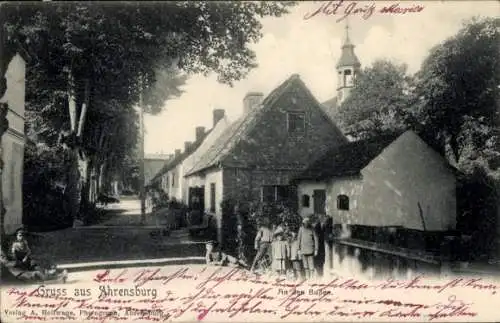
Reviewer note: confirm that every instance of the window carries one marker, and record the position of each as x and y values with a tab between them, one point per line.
282	193
165	181
275	193
296	122
343	202
306	200
348	78
212	197
173	179
268	194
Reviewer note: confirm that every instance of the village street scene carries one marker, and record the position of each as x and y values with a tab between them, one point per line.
298	141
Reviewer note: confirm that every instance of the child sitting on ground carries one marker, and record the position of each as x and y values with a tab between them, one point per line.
23	266
216	257
21	252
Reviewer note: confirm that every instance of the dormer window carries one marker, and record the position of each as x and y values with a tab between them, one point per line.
296	122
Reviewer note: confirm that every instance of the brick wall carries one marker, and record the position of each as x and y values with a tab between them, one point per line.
270	144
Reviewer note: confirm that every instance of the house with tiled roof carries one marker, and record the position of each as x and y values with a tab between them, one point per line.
193	194
385	181
256	157
153	163
348	67
389	201
170	178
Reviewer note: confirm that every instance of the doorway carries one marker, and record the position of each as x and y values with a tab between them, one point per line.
319	201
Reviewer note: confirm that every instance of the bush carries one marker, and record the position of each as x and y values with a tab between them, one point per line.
44	202
160	199
229	225
276	214
477	198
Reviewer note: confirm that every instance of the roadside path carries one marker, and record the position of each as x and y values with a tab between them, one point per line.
117	236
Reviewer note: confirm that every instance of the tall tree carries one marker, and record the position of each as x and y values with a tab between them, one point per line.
379	102
457	91
98	58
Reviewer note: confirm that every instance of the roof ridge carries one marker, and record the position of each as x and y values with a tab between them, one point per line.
219	123
245	125
361	153
176	160
216	156
322	111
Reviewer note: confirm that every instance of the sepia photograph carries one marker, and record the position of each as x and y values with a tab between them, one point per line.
249	161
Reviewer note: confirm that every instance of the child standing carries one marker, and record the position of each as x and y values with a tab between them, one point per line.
294	255
262	243
308	246
280	252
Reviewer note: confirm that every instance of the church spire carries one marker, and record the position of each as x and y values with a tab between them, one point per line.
347	67
348	57
347	40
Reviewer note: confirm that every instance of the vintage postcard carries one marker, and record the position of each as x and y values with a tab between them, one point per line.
247	161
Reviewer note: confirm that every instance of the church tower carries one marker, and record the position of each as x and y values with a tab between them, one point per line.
348	68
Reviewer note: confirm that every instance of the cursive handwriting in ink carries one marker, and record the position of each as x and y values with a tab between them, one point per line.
476	283
396	9
344	9
454	307
331	8
105	277
219	279
327	8
147	275
203	311
309	311
235	294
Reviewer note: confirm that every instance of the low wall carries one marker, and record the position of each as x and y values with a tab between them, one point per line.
357	258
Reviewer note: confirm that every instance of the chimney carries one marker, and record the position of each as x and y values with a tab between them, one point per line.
177	153
218	115
187	146
252	100
200	132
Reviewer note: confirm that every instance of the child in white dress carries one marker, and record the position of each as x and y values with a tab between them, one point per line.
280	252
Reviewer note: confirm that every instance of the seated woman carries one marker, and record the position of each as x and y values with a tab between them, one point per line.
216	257
23	267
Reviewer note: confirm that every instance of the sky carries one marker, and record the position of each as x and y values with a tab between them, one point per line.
311	48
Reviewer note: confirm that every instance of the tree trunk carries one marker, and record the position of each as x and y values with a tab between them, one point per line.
86	204
73	187
100	178
78	162
93	182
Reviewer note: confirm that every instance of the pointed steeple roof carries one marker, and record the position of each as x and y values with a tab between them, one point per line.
348	57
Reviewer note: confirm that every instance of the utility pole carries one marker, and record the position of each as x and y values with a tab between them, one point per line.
142	191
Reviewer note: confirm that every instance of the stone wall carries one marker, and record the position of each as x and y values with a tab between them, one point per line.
13	142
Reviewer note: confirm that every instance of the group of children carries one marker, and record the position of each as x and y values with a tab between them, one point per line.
288	249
